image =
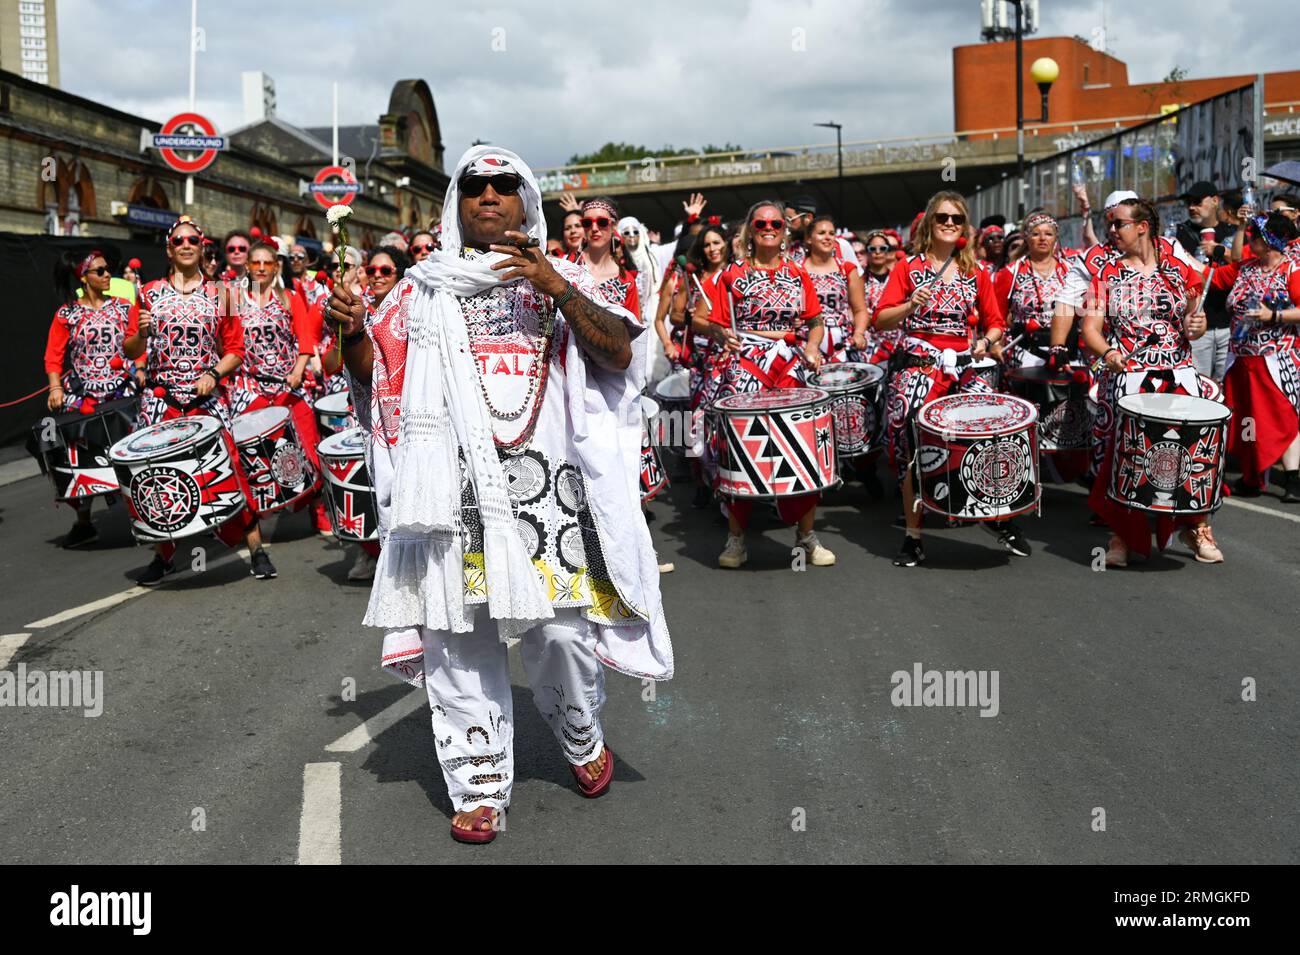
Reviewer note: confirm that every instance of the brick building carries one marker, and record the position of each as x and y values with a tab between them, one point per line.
1093	89
72	166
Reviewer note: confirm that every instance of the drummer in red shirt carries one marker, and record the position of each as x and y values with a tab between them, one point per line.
83	354
1262	385
1139	316
936	312
762	301
279	337
188	329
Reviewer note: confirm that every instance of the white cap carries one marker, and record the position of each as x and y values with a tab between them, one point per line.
1115	198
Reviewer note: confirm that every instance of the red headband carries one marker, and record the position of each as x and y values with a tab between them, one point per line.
85	263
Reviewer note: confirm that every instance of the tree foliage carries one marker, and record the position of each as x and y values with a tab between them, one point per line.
626	152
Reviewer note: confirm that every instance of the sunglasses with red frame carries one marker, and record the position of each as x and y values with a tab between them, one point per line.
384	270
599	222
180	240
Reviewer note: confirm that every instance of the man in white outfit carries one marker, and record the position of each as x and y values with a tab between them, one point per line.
501	392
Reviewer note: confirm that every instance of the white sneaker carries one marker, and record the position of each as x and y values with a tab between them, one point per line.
818	555
363	568
734	554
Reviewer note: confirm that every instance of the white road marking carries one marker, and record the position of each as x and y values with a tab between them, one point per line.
1261	509
1230	501
18	471
9	644
95	605
320	829
360	736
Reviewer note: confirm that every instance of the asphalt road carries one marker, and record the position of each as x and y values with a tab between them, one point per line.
1119	691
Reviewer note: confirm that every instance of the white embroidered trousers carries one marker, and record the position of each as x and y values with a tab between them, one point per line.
467	676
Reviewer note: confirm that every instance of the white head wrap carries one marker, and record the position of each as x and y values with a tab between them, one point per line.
486	161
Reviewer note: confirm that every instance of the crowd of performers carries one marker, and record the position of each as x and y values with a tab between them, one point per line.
219	337
764	303
495	381
778	297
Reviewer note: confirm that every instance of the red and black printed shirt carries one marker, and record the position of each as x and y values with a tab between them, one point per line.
833	293
189	333
766	300
1144	313
957	305
274	336
88	339
1026	297
1250	283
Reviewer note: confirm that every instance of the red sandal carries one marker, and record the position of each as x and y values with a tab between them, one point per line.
477	834
598	786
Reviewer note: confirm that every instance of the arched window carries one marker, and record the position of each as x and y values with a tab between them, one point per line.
306	227
263	217
148	191
67	199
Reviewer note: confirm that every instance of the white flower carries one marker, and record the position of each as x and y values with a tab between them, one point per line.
337	213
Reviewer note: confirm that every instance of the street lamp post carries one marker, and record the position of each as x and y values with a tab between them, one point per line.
1045	71
839	161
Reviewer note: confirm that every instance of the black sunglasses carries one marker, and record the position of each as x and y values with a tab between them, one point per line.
503	184
102	270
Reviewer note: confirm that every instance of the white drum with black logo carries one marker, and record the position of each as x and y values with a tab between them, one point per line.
178	478
977	456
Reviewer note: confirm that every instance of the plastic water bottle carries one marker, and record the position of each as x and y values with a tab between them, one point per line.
1248	198
1241	325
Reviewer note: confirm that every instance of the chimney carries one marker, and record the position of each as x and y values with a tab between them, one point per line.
259	96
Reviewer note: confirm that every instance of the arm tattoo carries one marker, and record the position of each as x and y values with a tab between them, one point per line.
816	321
601	333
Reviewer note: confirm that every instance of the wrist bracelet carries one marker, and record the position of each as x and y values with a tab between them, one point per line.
567	294
1106	353
216	376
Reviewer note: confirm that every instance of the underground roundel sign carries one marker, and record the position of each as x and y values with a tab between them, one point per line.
189	142
334	185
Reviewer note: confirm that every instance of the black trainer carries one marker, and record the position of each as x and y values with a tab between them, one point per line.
80	535
262	568
1011	537
1291	488
703	496
911	553
153	574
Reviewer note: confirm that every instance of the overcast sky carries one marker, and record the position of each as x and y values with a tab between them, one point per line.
685	72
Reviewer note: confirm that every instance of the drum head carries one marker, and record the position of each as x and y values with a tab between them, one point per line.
164	437
345	444
977	415
251	425
677	385
1175	409
981	364
339	403
649	407
847	375
776	399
